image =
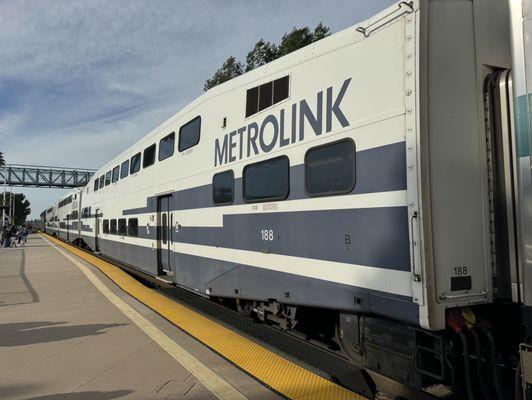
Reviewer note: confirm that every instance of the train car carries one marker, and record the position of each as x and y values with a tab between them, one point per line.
51	224
68	216
355	186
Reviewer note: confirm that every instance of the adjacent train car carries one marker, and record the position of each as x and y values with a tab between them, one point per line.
50	220
351	185
68	215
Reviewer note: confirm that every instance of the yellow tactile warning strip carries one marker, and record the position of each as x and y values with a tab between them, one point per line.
282	375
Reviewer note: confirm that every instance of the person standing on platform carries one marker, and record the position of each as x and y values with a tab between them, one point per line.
3	236
23	236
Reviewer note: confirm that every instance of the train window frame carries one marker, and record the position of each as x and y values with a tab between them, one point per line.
138	157
232	188
112	226
115	175
102	181
170	154
266	199
96	185
107	178
133	227
336	192
122	227
149	151
179	145
105	226
124	172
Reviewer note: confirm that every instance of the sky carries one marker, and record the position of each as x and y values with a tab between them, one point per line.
80	81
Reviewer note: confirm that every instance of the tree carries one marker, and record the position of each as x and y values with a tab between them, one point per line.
263	52
21	206
295	40
320	31
230	69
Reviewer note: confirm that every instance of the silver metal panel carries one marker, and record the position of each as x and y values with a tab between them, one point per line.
526	363
521	13
457	153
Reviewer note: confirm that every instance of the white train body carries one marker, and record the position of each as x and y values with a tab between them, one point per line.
374	194
391	244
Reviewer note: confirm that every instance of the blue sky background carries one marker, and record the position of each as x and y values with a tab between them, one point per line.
80	81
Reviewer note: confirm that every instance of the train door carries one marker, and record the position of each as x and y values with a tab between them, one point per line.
67	228
164	233
96	230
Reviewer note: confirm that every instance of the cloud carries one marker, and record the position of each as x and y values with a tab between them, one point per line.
81	81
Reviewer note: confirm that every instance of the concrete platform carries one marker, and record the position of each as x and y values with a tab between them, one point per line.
60	338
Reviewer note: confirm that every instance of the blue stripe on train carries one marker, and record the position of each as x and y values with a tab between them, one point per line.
381	169
227	279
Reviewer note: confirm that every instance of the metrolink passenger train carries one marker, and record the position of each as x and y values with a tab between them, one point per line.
371	185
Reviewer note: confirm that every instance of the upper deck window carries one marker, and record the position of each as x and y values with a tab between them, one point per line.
189	134
261	97
149	156
330	169
116	173
96	183
135	163
166	146
108	178
124	169
102	181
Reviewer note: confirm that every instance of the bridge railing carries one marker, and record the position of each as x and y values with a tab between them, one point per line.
44	176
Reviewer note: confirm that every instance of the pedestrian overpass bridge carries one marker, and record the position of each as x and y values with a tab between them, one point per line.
44	176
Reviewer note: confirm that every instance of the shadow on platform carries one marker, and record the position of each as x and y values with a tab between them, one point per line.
25	280
26	333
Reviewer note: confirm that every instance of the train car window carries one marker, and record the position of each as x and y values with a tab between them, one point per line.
122	226
166	146
280	89
116	173
149	156
261	97
105	226
223	188
189	134
102	180
135	163
265	95
252	101
96	183
108	178
267	180
124	169
330	169
112	227
133	227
